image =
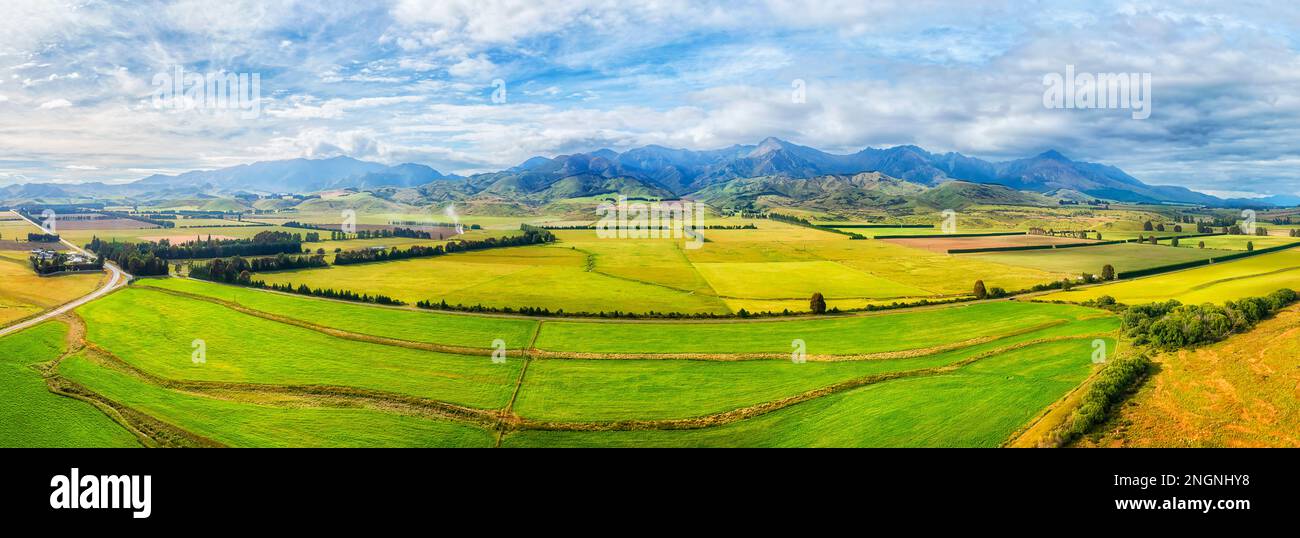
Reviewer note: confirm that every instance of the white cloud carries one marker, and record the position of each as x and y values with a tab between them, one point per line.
55	103
477	67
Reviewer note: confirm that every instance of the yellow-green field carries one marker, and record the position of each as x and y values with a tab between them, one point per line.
1249	277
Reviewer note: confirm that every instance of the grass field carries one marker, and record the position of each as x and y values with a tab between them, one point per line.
1237	242
1124	257
977	405
1237	393
594	390
1249	277
32	416
449	329
271	424
834	336
154	332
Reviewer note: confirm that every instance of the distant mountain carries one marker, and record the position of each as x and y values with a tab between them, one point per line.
296	175
836	193
773	167
1276	200
685	171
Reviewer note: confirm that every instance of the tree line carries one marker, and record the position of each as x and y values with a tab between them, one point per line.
263	244
531	236
46	266
238	270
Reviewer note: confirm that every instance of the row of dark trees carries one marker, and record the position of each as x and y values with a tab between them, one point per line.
263	244
131	257
43	238
531	236
237	270
342	295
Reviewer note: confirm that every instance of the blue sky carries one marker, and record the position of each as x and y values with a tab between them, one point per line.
412	81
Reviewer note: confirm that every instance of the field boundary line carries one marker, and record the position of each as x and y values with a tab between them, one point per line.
509	410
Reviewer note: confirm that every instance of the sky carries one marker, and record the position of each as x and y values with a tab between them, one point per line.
479	85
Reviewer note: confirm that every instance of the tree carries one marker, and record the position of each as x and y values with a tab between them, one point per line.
817	304
1250	246
1173	242
1148	227
1099	236
1108	272
980	291
1201	244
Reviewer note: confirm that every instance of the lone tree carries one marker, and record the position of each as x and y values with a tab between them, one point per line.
1201	244
1108	272
980	291
1250	246
817	304
1173	242
1148	227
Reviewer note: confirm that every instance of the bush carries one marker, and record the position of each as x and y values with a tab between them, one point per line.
1115	380
817	304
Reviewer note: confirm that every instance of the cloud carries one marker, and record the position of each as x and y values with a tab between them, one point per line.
55	103
410	80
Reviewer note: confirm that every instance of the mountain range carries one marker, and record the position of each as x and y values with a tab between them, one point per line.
772	166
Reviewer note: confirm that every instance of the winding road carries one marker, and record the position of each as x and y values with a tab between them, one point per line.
117	277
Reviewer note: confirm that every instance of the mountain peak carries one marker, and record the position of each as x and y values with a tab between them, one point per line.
1054	155
769	145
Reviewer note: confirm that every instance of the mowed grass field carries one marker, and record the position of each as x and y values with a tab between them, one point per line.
1236	279
1124	257
978	405
607	390
912	330
416	326
152	330
271	423
155	332
32	416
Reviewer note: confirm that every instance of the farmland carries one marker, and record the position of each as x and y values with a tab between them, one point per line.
32	416
279	369
1123	257
1250	277
309	372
